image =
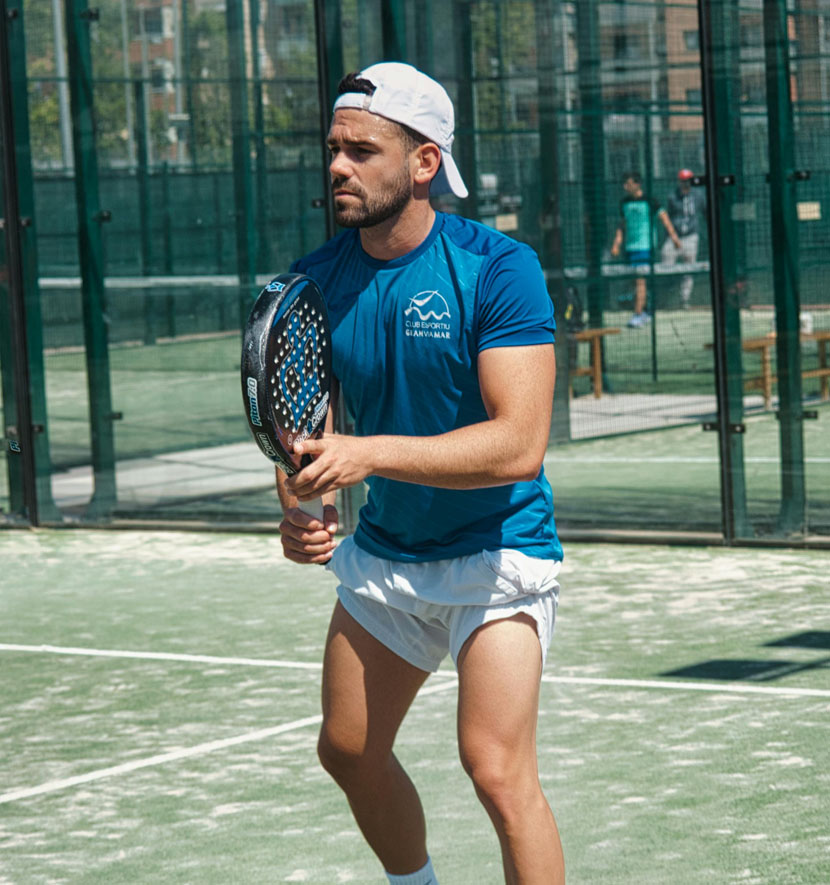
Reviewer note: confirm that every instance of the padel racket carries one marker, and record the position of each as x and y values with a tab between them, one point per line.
286	371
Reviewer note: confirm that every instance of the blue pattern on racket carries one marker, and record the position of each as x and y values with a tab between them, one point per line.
286	371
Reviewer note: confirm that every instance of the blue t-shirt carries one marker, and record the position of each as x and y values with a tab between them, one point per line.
406	335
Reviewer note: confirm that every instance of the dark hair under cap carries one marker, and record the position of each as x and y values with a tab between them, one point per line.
353	82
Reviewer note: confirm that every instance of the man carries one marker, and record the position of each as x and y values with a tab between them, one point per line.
443	348
686	207
637	211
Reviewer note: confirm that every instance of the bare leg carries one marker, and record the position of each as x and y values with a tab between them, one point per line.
640	295
367	690
499	674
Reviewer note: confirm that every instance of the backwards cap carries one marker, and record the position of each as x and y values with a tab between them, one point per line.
685	175
405	95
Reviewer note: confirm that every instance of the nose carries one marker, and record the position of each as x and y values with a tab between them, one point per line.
339	167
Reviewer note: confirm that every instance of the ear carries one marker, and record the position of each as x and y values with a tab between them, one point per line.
426	161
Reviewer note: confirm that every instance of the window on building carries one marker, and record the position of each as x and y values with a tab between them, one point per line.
754	88
620	45
153	22
158	81
752	34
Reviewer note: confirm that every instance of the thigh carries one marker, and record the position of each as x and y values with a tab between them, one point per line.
367	688
499	672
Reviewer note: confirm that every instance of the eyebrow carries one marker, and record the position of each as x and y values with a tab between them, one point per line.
354	142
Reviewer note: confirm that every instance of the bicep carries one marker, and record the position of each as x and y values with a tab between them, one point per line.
517	385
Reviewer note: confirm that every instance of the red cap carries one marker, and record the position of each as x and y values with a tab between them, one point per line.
685	174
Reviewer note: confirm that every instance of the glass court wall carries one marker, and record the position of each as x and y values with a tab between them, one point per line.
163	158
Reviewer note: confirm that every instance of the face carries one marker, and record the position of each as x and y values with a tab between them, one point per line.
685	185
630	186
371	175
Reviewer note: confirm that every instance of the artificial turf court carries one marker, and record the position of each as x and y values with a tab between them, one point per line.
159	701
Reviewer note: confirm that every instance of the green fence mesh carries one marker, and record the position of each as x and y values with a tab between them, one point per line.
207	152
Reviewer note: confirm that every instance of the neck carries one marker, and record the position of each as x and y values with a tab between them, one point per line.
400	234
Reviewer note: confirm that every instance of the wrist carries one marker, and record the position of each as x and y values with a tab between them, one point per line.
372	454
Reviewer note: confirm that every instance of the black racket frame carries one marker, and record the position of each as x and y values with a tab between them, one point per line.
262	363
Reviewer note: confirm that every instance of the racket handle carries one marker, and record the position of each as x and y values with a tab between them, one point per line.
313	508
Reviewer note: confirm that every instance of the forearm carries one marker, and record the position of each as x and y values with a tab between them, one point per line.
490	453
287	500
664	217
509	446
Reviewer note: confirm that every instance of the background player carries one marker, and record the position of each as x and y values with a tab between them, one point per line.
636	230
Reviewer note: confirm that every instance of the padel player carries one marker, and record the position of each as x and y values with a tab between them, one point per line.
636	229
442	337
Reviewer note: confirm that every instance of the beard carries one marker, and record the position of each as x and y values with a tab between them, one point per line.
369	210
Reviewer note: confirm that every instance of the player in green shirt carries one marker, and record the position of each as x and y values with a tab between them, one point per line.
636	229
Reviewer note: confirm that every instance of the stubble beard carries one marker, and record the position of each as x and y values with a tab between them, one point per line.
373	209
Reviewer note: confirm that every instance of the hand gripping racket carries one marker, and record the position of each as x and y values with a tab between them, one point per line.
286	371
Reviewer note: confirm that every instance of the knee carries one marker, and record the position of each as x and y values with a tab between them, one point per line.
344	757
336	755
501	784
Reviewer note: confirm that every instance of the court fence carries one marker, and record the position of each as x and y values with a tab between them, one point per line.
162	159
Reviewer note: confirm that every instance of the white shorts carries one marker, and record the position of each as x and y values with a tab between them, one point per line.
399	604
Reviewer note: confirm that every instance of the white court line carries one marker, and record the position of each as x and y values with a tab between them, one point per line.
169	656
715	687
265	733
175	755
160	656
305	665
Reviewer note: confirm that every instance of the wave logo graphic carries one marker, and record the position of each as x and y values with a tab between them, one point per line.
428	305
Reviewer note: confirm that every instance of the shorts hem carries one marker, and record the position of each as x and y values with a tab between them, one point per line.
528	605
375	629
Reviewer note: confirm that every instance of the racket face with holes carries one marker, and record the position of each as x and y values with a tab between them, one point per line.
286	367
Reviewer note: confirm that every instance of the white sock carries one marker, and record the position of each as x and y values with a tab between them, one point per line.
424	876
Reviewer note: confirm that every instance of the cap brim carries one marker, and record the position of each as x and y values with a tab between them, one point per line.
448	179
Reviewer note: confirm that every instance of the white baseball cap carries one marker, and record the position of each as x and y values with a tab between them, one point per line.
405	95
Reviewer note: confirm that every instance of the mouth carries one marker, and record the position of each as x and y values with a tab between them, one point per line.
339	189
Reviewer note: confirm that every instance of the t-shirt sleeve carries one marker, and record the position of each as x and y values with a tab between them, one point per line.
514	307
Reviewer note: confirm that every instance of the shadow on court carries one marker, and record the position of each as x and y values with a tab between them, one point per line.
750	670
807	639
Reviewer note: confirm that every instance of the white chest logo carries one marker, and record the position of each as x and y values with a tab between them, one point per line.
427	315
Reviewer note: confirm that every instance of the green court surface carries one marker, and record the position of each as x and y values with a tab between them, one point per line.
159	703
671	477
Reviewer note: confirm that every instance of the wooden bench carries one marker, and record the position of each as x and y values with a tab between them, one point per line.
594	370
763	347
